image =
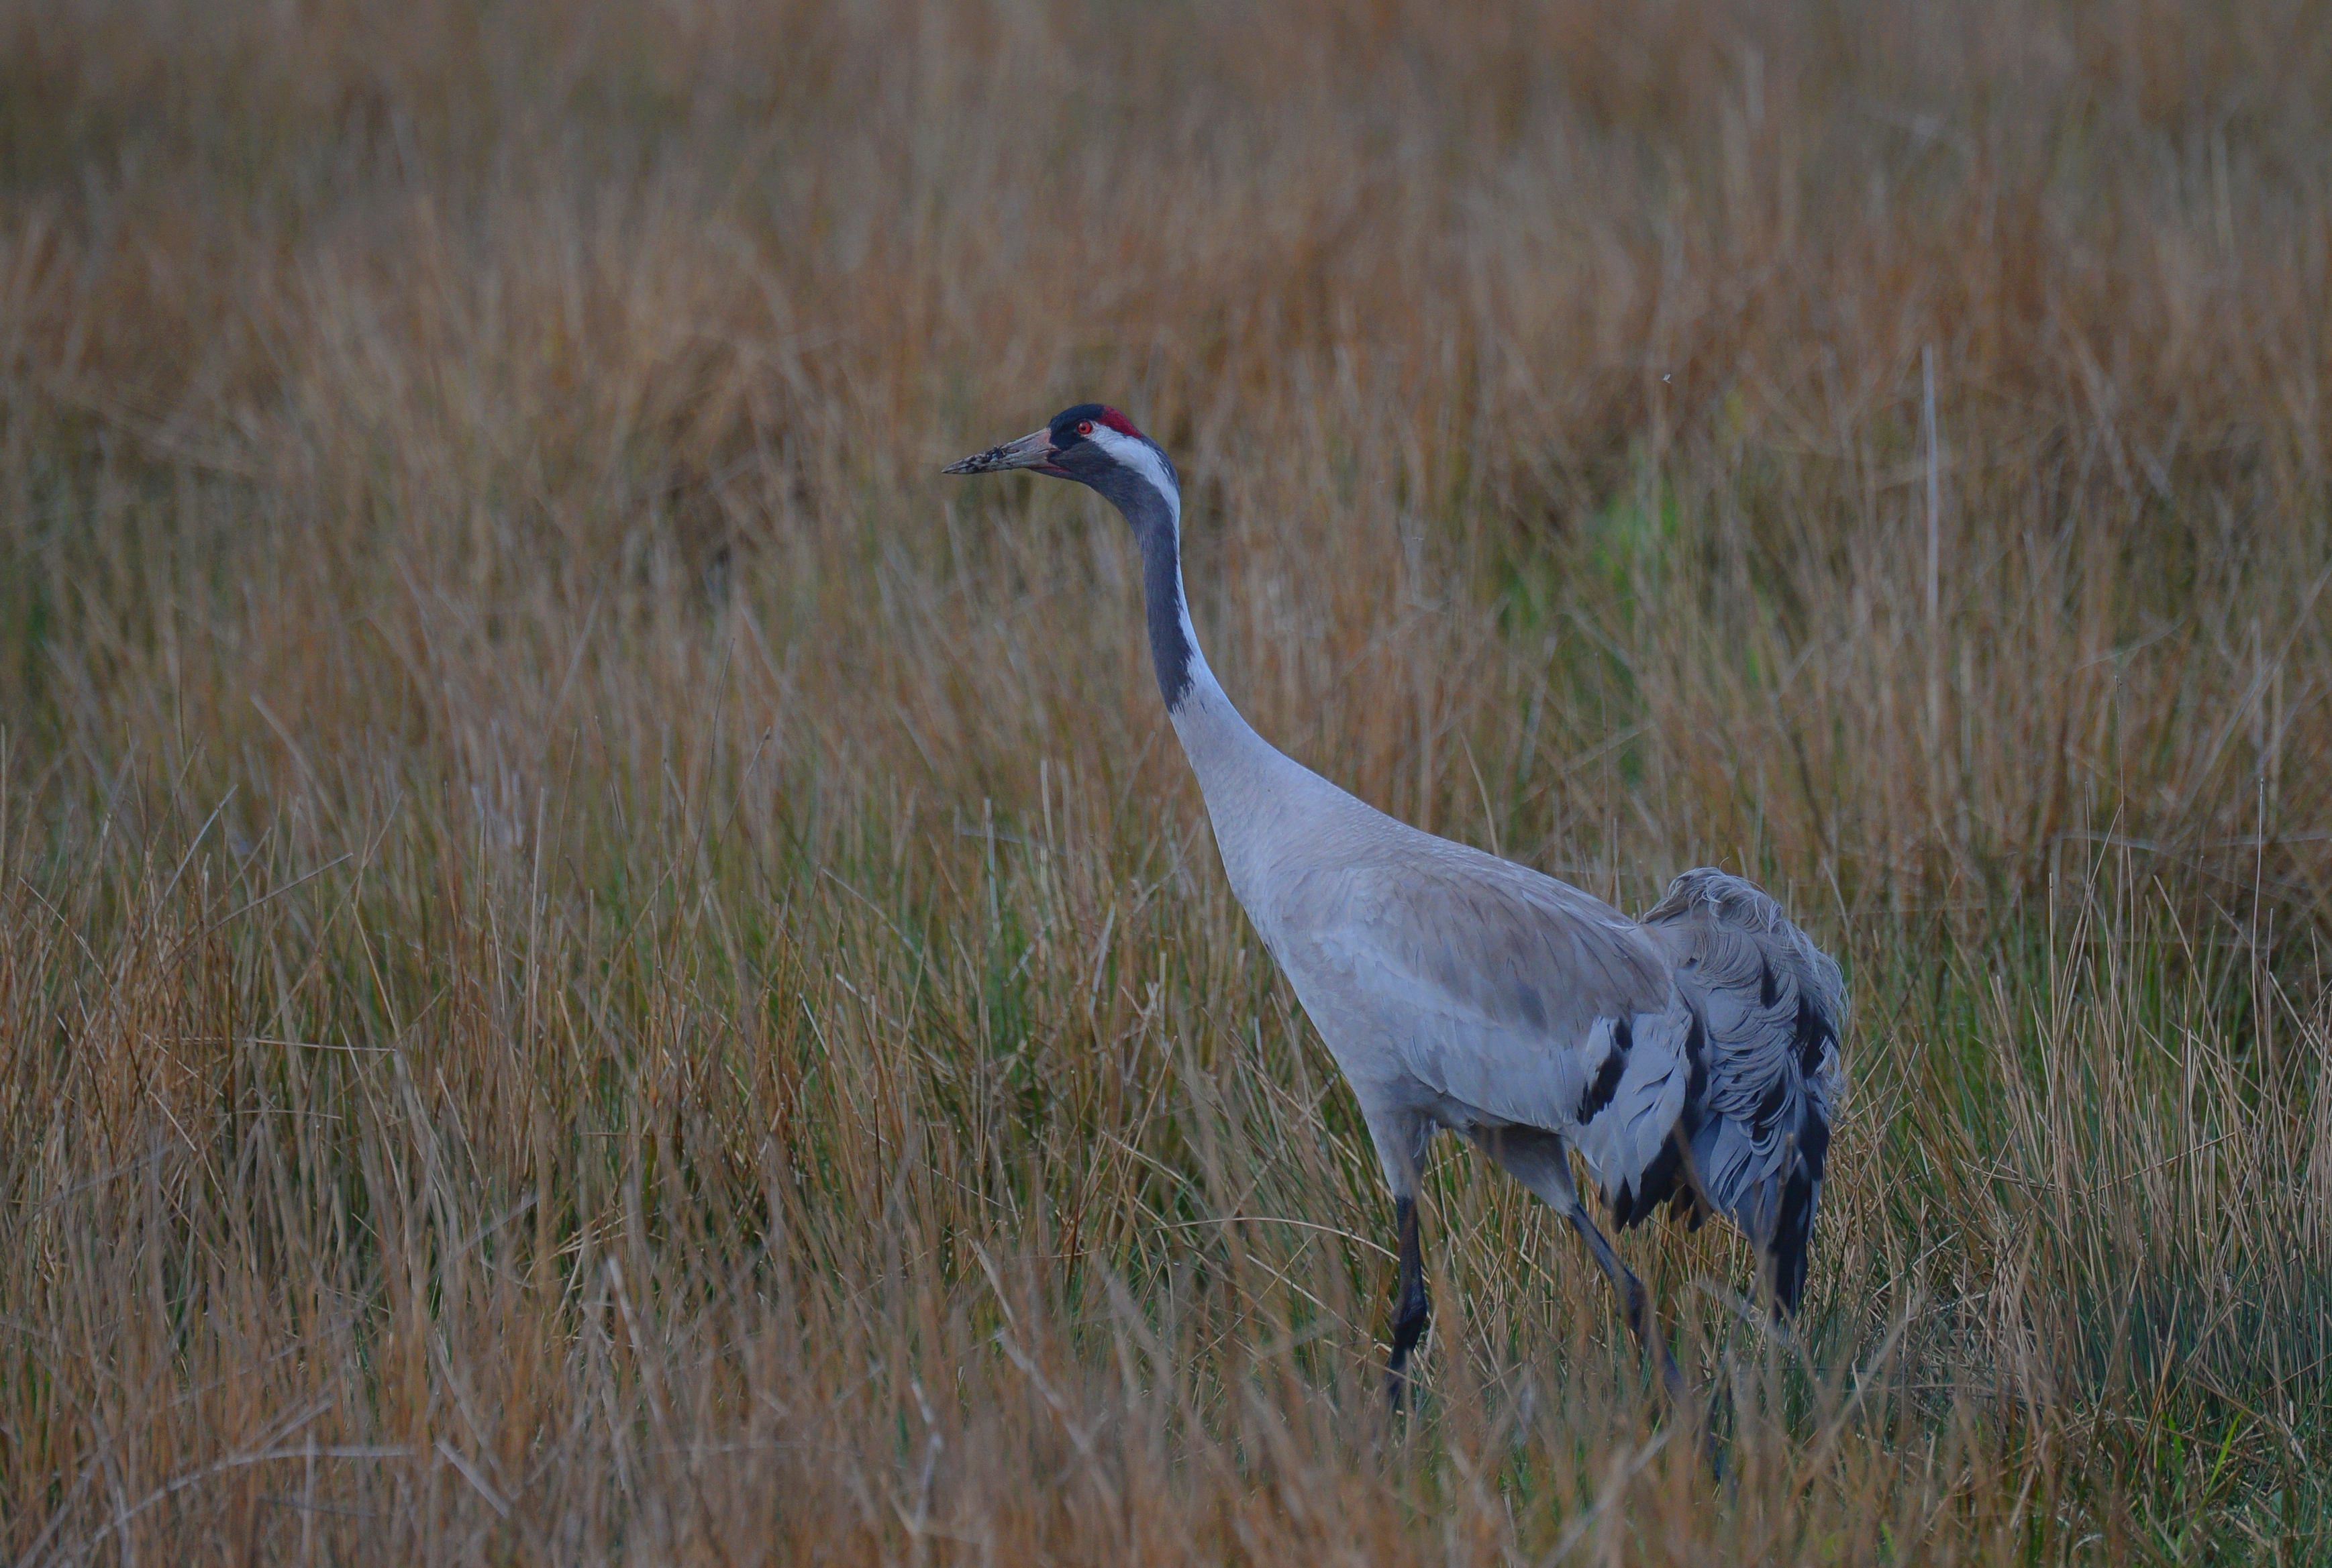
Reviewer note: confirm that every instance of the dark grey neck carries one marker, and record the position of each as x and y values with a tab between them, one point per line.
1171	650
1158	534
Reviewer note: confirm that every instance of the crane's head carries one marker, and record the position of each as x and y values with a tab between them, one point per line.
1096	446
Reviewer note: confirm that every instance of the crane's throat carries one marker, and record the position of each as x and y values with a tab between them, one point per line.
1173	644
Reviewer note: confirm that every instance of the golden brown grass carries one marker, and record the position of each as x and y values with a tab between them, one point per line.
600	966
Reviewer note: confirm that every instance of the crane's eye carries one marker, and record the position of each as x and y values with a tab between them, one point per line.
1084	427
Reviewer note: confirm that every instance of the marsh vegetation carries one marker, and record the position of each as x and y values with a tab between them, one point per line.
596	965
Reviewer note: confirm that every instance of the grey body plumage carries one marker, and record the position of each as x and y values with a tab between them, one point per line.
1691	1058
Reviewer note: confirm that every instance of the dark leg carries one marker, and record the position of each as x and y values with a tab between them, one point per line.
1633	1299
1636	1303
1538	1161
1412	1310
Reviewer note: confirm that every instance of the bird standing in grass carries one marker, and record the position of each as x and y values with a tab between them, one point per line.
1690	1057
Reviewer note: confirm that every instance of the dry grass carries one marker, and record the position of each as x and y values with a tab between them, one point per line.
598	966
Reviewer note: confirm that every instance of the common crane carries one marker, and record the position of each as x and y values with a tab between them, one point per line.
1691	1057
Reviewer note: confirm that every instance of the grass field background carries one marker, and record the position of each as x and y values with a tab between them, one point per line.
600	966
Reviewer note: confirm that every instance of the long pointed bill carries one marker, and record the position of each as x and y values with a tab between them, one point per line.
1033	450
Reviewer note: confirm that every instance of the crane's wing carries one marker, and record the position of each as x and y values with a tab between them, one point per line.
1772	1003
1522	998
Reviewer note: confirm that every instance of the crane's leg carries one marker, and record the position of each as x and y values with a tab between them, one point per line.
1411	1309
1539	1160
1637	1302
1400	1137
1634	1300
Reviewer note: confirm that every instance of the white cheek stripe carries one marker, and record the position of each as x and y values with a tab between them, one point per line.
1140	456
